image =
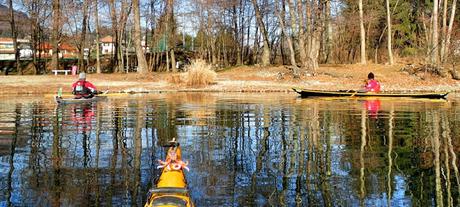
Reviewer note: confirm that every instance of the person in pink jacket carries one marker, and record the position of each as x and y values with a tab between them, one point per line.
372	85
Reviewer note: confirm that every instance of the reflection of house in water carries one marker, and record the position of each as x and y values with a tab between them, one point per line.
7	49
5	144
65	50
6	135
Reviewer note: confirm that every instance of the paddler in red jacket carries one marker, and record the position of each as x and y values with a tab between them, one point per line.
371	84
83	88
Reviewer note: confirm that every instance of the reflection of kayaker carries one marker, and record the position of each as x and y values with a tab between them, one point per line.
82	115
171	189
373	107
83	88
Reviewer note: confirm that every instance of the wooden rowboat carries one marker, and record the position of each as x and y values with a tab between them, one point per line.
60	100
310	93
171	188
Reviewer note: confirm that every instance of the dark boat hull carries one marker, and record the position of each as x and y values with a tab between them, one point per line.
60	100
311	93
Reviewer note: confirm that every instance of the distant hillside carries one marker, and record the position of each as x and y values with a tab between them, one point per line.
21	19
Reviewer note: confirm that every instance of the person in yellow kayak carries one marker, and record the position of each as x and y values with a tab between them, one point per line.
371	85
83	88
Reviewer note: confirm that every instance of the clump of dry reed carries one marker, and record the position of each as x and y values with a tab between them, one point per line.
199	73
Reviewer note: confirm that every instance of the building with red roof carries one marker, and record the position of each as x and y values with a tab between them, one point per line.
66	50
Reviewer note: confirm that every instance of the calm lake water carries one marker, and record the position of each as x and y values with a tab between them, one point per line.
243	149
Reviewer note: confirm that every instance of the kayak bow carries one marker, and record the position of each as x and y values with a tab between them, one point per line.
171	189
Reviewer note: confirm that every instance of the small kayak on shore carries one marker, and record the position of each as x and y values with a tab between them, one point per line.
171	188
60	100
431	95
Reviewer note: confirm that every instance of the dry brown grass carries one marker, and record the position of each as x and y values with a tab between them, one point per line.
200	74
176	79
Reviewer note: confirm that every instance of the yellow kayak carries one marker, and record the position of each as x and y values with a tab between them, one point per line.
171	189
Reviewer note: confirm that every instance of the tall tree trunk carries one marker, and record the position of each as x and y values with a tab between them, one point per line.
125	11
173	60
128	45
33	10
451	23
152	42
281	18
114	19
389	42
255	48
83	36
328	46
244	52
362	33
296	34
434	37
263	31
235	35
141	62
171	43
302	35
315	24
15	40
55	36
96	19
249	57
444	30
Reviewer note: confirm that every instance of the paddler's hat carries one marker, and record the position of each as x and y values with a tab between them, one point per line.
82	76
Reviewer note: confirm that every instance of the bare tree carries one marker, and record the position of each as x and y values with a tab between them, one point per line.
296	34
451	23
362	33
170	32
55	34
235	33
301	34
115	37
38	12
14	34
82	42
315	19
118	28
328	39
443	31
142	63
446	29
389	42
281	17
263	30
96	19
434	55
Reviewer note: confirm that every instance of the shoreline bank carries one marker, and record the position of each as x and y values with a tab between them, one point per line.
240	79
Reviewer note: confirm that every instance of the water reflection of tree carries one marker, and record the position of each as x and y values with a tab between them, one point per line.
56	154
435	160
9	189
